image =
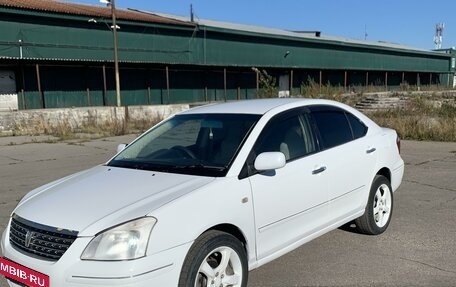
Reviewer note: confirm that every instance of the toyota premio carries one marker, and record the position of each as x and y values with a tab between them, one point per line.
207	195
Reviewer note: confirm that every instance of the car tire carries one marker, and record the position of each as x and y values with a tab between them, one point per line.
379	208
215	259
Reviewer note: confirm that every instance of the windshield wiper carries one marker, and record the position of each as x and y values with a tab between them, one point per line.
199	166
191	168
141	165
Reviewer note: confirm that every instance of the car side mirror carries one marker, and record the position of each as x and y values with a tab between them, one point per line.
269	161
121	147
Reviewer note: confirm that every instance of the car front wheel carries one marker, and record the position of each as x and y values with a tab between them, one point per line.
215	259
377	216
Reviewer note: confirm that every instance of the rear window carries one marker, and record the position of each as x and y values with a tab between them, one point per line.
333	127
358	128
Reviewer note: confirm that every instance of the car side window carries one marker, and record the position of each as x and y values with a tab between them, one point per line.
333	127
290	135
358	128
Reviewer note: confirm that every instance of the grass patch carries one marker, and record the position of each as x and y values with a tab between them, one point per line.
421	119
350	96
90	128
431	117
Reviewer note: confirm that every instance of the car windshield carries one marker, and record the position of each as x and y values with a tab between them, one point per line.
198	144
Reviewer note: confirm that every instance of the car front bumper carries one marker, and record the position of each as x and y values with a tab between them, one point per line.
160	269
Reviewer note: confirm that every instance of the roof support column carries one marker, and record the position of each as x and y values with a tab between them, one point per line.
403	78
38	80
224	83
291	82
367	79
149	92
24	101
239	86
386	81
167	84
430	79
205	87
321	79
105	92
418	84
87	86
345	80
257	83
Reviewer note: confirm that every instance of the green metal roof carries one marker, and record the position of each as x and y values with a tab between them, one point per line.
64	35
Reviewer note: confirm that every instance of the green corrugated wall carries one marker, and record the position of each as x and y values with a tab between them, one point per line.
77	39
71	53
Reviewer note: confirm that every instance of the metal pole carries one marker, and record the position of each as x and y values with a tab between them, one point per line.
40	91
105	92
224	83
345	80
321	79
87	85
239	86
24	101
257	83
386	81
167	84
116	59
149	92
291	82
205	87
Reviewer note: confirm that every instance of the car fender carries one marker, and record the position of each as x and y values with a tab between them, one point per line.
223	201
389	157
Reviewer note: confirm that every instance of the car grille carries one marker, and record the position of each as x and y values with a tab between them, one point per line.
40	241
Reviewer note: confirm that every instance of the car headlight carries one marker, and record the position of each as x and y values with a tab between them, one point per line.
123	242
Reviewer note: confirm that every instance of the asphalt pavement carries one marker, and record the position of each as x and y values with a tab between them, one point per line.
418	249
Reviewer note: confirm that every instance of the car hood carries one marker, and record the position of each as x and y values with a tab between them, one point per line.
103	196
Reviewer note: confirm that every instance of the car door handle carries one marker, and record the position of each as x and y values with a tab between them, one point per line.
319	170
371	150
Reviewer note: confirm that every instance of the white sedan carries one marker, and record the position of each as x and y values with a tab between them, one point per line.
205	196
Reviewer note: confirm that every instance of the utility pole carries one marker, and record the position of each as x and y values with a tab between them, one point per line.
116	57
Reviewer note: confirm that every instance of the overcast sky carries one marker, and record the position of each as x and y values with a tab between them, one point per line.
408	22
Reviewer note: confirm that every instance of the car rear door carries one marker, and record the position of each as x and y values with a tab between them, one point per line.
350	158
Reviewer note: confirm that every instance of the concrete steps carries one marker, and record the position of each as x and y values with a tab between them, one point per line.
377	102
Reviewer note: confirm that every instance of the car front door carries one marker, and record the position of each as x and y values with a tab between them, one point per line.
290	202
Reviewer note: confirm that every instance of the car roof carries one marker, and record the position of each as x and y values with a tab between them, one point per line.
255	106
273	105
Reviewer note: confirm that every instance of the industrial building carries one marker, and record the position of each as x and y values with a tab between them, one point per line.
59	54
